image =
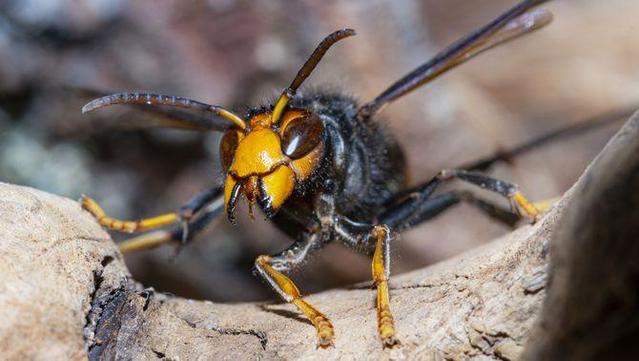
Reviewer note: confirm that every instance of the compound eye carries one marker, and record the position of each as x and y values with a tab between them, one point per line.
302	136
228	145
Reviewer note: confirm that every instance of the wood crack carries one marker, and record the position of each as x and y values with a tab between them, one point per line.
261	336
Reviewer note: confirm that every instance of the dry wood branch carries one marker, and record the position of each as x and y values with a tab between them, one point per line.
65	292
592	308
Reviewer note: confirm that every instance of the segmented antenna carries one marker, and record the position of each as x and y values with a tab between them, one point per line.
307	69
136	98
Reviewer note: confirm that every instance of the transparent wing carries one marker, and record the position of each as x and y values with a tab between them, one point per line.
517	21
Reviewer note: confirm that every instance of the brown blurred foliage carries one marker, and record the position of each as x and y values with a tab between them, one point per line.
242	53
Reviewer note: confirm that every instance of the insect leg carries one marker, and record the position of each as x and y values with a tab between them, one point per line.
413	207
418	207
381	274
362	236
183	214
181	235
518	201
145	241
272	269
126	226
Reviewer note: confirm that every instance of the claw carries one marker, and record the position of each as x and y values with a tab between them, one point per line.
390	341
325	343
325	333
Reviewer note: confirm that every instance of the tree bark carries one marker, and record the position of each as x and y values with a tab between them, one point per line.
65	292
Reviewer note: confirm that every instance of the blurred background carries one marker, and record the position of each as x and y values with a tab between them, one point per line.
240	53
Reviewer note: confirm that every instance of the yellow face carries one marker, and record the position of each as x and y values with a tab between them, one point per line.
265	163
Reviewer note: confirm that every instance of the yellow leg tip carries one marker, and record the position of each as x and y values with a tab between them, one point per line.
388	338
387	335
390	342
91	206
87	203
325	341
387	328
526	207
325	332
546	204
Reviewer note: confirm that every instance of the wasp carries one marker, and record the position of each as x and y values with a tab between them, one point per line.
322	168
